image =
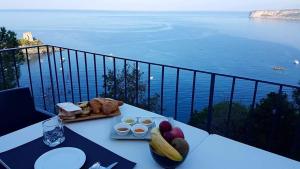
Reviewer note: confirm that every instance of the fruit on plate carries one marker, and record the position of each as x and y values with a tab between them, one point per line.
160	144
181	146
177	132
168	136
165	126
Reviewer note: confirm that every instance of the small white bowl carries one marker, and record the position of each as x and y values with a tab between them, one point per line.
122	132
139	126
142	119
129	120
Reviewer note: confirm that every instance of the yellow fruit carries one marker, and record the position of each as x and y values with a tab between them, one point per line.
161	145
156	149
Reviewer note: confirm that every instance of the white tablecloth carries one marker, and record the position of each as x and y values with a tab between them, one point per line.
217	152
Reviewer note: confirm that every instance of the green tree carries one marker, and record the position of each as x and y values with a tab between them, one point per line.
235	126
131	88
295	150
8	59
296	97
273	124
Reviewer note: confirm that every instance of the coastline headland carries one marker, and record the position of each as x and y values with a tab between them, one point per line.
289	14
28	40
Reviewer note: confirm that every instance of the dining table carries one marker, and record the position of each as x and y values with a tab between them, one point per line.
218	152
205	151
99	132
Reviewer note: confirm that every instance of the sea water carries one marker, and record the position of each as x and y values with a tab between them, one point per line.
222	42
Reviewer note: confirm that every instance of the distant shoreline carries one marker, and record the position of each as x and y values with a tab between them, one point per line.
287	14
34	51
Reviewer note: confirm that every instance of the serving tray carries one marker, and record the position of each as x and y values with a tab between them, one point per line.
130	136
91	116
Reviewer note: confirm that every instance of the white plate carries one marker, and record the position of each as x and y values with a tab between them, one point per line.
65	157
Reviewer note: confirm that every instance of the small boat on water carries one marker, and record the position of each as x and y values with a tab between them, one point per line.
62	60
279	68
296	62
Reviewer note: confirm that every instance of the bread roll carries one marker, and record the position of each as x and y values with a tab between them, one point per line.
104	106
109	107
95	106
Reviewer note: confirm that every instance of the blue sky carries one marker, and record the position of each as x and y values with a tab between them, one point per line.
152	5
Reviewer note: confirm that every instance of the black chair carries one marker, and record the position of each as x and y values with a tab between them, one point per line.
17	110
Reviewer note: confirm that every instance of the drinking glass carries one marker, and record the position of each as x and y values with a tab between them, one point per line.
53	131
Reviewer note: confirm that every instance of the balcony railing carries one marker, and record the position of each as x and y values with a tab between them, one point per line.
58	74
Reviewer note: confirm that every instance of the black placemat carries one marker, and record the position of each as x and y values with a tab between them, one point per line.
24	156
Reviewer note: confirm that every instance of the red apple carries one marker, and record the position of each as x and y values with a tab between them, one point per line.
165	126
168	136
177	132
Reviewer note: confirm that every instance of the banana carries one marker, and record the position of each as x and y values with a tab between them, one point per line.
162	146
156	149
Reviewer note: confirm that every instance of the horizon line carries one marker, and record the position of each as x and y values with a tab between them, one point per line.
114	10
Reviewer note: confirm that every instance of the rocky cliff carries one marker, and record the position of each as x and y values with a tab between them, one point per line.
293	14
28	40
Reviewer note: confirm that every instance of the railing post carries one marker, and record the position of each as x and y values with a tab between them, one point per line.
125	80
149	78
78	76
230	105
162	89
51	78
16	67
86	77
29	71
115	78
2	71
137	83
176	93
71	78
96	76
41	76
210	102
55	71
63	72
104	75
254	96
193	92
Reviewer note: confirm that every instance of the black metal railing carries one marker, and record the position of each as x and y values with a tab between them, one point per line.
125	60
61	81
